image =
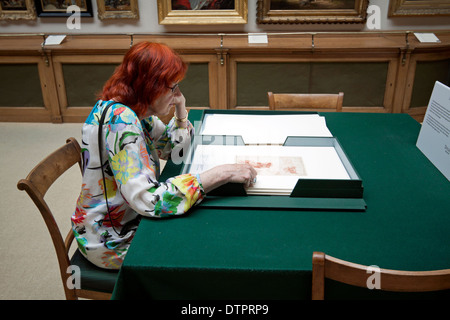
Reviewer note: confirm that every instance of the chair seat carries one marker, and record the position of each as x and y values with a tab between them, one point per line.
93	277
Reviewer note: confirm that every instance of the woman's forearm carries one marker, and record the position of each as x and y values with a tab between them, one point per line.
220	175
181	117
213	179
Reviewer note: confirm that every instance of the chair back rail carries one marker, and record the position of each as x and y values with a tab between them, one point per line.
325	266
312	101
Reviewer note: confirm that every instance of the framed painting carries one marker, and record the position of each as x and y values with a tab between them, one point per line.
17	9
58	8
113	9
409	8
172	12
311	11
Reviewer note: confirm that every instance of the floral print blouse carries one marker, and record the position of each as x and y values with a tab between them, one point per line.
132	149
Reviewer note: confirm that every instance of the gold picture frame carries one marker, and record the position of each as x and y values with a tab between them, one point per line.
128	9
15	10
168	15
58	8
408	8
311	11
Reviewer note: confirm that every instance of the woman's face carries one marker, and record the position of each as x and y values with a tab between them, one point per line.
163	104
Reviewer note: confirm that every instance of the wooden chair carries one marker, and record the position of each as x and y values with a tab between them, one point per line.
325	266
309	102
96	283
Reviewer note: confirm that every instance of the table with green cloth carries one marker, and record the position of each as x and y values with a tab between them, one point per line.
266	253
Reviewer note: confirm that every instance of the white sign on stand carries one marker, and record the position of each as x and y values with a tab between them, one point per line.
434	136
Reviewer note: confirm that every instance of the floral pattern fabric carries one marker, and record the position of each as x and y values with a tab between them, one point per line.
132	149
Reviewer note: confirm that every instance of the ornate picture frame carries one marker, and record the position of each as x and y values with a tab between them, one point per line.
56	8
409	8
127	9
16	10
311	11
176	12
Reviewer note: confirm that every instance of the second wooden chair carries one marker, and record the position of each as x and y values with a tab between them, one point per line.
325	266
306	102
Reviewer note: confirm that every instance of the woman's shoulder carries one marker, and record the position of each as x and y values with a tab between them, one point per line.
118	113
122	114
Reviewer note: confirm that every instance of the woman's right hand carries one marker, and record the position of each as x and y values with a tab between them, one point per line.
220	175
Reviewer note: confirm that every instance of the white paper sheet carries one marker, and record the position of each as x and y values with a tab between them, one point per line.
427	37
265	129
316	163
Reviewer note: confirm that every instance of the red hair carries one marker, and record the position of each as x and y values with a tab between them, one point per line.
147	71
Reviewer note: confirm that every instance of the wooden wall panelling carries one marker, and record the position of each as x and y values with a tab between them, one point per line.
401	52
213	84
403	64
205	48
320	48
367	82
82	50
212	81
48	83
279	48
277	43
260	60
390	81
48	111
420	52
20	45
363	48
418	112
222	85
184	44
92	44
77	113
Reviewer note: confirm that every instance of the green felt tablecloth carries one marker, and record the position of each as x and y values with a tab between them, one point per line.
266	253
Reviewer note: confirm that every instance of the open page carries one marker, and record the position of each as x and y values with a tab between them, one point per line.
265	129
278	167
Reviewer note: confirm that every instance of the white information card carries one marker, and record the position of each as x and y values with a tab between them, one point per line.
54	40
434	136
427	37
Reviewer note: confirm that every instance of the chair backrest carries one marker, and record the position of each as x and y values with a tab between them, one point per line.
36	184
325	266
303	101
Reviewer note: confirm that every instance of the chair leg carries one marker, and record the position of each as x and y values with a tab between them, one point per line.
318	276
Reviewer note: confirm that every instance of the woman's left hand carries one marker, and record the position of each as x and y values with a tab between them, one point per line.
180	103
180	108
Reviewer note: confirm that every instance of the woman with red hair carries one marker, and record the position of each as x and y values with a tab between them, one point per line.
122	142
